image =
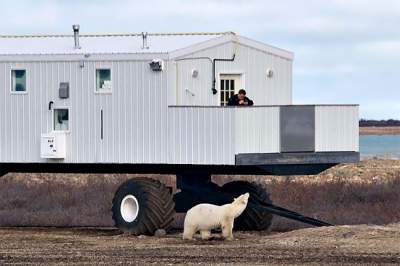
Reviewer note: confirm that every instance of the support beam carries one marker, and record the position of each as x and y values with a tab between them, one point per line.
297	158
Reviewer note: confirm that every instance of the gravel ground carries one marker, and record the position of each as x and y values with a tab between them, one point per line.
360	244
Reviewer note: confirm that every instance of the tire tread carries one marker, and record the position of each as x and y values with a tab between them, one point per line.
253	218
156	204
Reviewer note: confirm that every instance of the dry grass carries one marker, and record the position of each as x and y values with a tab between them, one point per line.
367	193
395	130
347	194
60	199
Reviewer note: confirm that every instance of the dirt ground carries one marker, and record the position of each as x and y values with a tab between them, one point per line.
359	244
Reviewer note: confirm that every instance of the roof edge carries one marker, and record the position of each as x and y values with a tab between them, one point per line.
80	57
266	47
118	35
232	38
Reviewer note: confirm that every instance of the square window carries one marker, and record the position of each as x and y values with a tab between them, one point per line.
61	120
18	80
103	80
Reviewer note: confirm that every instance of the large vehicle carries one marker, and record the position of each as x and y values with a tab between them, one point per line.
156	103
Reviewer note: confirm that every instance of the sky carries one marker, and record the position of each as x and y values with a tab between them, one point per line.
346	51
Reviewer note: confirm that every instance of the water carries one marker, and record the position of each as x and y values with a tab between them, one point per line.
387	146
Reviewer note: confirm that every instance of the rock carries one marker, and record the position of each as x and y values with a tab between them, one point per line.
348	234
160	233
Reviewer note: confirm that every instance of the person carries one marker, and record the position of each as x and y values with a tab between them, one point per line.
240	99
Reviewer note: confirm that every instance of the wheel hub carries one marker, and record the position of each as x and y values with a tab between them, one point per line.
129	208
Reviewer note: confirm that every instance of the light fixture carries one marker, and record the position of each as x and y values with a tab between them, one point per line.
270	73
195	73
157	65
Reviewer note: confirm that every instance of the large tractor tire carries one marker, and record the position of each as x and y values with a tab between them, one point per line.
143	205
253	218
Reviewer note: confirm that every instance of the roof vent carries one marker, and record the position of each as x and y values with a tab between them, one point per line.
144	37
76	36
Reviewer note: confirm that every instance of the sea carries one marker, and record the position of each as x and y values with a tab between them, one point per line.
381	146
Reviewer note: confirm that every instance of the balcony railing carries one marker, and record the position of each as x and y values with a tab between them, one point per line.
214	135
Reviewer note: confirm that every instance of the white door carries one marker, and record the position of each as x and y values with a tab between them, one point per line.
230	84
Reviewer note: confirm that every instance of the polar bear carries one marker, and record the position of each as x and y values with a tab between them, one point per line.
204	217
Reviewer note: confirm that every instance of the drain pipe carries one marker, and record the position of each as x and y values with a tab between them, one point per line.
213	61
76	36
213	89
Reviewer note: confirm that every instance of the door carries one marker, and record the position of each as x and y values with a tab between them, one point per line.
229	85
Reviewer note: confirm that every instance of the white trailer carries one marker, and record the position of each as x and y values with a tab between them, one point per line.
156	103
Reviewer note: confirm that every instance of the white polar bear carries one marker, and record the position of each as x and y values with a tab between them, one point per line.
204	217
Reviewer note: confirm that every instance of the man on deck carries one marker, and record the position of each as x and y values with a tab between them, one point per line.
240	99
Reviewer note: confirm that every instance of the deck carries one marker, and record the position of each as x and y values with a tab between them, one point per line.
213	135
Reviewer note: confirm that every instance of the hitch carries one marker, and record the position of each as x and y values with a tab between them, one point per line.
276	210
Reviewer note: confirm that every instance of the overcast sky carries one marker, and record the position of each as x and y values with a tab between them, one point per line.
346	51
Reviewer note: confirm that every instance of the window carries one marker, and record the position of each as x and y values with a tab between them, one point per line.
61	120
227	90
103	80
229	84
18	80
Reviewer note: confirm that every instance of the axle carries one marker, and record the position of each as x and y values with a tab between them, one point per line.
198	190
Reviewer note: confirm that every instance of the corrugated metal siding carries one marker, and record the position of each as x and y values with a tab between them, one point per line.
257	130
201	135
135	118
336	128
251	62
212	135
139	127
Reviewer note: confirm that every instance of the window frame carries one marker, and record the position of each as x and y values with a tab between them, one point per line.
96	90
11	81
53	120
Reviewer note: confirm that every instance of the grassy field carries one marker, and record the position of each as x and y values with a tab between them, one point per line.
366	193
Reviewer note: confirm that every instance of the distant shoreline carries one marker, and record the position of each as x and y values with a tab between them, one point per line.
380	130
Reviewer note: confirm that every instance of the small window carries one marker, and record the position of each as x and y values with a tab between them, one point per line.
229	84
103	80
61	120
18	80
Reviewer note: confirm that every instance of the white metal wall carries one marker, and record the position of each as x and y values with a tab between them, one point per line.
336	128
257	130
139	127
250	62
134	113
201	135
212	135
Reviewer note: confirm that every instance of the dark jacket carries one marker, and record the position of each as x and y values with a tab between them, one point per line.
234	100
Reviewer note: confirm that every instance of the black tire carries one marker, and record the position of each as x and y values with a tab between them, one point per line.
155	206
254	218
184	200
